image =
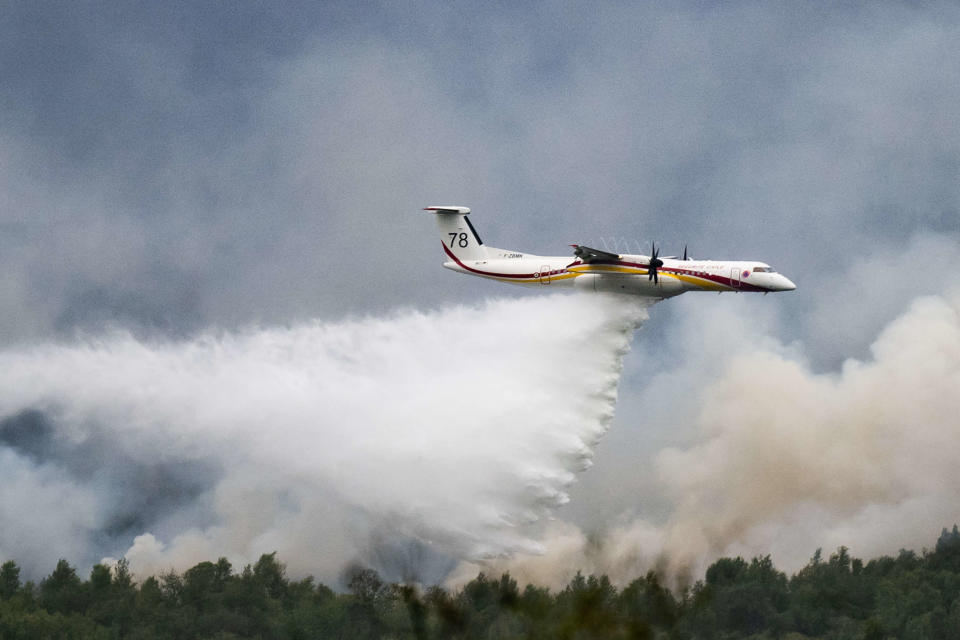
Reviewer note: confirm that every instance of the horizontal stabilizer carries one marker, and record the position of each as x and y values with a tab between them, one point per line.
459	210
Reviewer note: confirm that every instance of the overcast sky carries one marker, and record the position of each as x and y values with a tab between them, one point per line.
179	165
172	168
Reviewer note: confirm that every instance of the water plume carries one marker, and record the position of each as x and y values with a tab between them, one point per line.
460	429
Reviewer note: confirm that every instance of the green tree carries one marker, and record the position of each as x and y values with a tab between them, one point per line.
587	607
9	579
417	610
123	597
740	598
150	610
363	611
100	604
62	591
906	601
314	611
491	606
269	575
648	606
946	554
450	613
536	605
824	594
200	586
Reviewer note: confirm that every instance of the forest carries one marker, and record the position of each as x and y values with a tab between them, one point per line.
910	596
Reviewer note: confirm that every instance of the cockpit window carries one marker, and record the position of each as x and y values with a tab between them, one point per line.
763	270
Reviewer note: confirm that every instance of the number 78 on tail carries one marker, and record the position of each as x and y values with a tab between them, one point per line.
589	269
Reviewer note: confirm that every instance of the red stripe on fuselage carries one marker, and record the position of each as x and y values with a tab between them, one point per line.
488	273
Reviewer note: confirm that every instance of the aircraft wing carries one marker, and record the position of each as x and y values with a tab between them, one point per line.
587	254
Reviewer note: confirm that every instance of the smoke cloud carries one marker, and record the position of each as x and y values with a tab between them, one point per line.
786	460
868	454
459	430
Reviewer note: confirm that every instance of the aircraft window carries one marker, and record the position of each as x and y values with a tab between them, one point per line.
763	270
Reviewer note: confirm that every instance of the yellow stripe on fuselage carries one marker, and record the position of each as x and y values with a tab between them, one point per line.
606	268
552	278
702	283
697	281
579	270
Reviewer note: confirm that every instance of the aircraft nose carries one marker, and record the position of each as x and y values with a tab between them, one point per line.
785	284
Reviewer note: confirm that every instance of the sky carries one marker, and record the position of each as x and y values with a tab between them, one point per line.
175	171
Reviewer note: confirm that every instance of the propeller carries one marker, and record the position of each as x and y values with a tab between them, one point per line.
654	264
685	258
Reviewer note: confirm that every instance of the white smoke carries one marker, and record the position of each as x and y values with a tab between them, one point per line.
460	428
787	460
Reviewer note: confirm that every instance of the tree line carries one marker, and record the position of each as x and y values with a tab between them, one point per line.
910	596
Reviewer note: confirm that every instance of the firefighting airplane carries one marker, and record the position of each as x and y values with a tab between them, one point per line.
595	270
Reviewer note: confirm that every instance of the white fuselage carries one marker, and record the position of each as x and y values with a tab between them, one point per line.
628	274
597	270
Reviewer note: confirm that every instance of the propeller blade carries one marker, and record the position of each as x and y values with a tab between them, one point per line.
654	263
685	252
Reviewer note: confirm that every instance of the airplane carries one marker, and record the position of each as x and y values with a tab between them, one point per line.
595	270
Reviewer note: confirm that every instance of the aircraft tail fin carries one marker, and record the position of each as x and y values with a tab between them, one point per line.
460	239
